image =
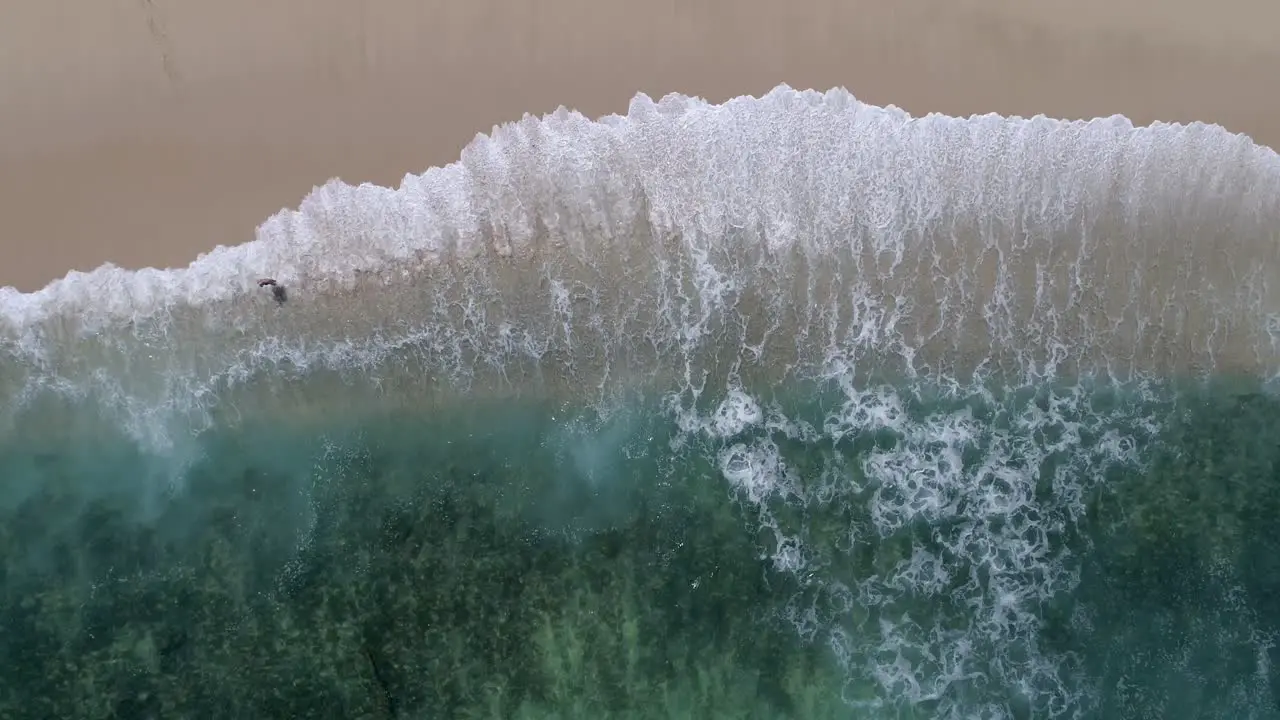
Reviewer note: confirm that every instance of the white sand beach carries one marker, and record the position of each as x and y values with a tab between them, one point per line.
144	132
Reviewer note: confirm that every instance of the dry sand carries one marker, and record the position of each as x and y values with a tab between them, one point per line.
144	132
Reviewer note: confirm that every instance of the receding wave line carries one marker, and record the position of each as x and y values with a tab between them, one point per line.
789	234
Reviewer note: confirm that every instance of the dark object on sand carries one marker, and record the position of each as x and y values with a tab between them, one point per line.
277	290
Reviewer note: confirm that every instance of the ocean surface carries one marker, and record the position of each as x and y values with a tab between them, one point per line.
790	407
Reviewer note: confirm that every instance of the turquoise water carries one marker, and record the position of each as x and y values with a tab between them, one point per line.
790	407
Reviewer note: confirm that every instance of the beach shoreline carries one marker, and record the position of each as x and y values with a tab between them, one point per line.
158	135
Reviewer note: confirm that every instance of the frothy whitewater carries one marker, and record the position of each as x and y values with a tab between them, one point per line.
786	407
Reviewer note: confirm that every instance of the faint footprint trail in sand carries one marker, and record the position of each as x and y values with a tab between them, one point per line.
155	25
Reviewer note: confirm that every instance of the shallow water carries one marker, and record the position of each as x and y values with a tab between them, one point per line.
790	407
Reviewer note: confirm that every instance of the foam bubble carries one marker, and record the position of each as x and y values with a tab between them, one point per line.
737	412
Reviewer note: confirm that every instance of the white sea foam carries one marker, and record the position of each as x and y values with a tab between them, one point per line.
959	606
1031	232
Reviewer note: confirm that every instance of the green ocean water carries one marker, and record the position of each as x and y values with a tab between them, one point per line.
533	560
789	407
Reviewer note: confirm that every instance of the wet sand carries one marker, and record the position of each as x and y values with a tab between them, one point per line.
144	132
